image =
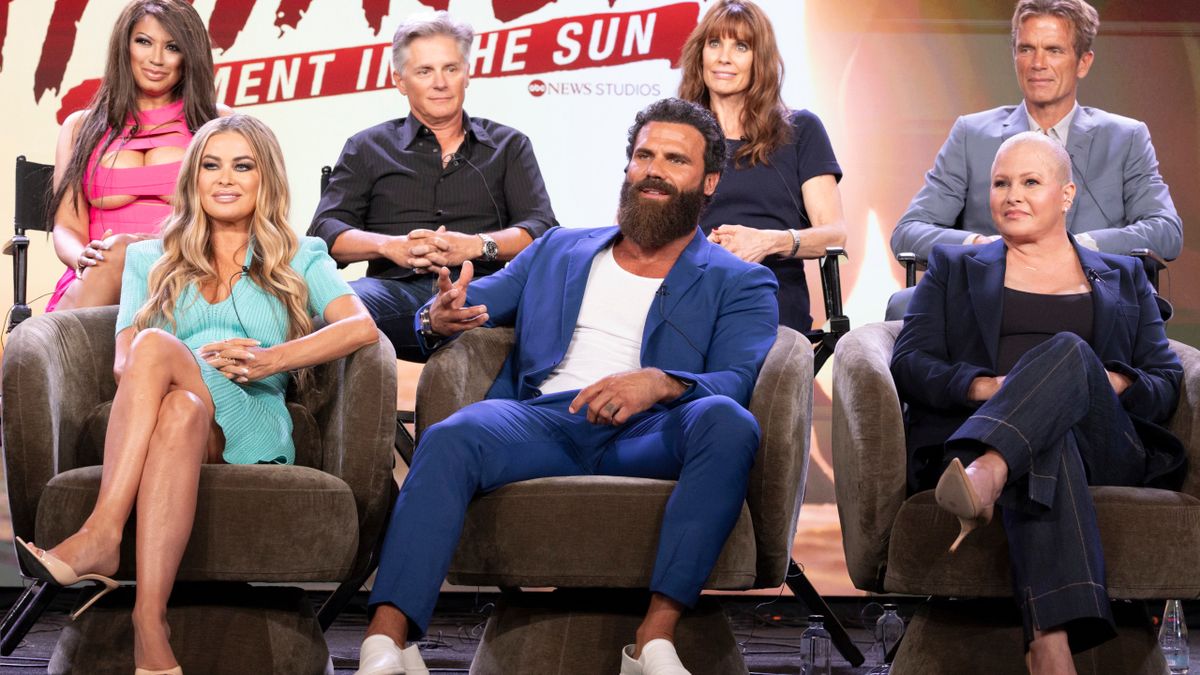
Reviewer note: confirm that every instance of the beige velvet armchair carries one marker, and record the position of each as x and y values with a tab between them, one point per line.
317	521
896	543
601	532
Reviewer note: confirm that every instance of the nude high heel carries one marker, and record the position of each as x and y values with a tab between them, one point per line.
955	494
46	567
177	670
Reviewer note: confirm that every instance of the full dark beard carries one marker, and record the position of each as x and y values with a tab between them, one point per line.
654	224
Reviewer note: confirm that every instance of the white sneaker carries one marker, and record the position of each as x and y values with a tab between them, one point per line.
380	655
658	658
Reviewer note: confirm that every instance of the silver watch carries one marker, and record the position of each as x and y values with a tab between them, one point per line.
490	248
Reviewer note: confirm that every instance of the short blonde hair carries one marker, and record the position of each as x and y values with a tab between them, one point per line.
1082	17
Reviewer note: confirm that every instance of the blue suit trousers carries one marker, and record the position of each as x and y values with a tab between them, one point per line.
708	445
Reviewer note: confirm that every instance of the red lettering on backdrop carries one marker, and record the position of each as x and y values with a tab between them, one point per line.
436	5
289	13
228	19
375	10
596	40
3	28
56	50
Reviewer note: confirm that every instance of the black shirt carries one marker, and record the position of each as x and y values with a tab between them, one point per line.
390	180
768	197
1029	319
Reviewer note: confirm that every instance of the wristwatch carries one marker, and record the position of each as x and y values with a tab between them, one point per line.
426	324
490	248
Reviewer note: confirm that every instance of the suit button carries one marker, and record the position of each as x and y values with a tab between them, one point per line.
438	213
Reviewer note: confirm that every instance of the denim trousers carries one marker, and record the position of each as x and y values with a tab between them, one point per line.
393	303
1060	427
708	445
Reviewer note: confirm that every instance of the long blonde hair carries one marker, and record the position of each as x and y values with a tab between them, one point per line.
187	244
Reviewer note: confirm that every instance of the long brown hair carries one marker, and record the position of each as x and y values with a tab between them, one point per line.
187	257
116	100
765	119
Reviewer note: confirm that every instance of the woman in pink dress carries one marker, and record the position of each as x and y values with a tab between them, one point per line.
116	161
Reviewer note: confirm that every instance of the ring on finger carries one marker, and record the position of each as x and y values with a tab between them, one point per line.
610	409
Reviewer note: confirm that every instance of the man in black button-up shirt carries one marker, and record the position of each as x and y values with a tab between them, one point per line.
432	189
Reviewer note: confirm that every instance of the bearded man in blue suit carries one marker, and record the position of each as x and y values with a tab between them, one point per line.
636	352
1123	202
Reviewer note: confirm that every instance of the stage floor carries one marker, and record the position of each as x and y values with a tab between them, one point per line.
768	628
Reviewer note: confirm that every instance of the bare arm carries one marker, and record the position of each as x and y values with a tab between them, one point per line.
349	328
822	201
71	223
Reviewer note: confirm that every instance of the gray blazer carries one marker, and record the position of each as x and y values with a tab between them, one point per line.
1122	201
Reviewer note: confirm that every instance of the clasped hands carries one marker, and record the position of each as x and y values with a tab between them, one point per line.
424	250
241	359
983	388
750	244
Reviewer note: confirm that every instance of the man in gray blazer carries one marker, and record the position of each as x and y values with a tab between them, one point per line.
1121	202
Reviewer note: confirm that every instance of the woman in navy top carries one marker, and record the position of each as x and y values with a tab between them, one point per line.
778	201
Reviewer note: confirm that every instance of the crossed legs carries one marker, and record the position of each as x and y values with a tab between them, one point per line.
1054	427
160	431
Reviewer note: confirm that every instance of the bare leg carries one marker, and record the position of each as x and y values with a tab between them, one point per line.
166	509
158	363
100	285
391	622
1050	653
158	436
659	623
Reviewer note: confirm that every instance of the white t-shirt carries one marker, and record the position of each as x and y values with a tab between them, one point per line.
608	333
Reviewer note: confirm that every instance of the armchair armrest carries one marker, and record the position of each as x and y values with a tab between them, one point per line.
782	405
869	457
357	419
57	369
460	374
1185	424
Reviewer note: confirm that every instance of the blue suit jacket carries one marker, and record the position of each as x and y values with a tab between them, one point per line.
951	335
712	323
1121	201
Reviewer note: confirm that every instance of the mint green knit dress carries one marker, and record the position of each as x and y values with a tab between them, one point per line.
253	416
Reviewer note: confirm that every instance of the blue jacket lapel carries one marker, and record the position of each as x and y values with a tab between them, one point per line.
1016	122
1106	289
1079	147
985	274
686	271
579	265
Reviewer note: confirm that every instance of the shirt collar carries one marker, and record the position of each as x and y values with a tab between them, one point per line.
1059	130
412	129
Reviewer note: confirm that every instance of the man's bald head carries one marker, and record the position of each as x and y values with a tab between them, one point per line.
1050	150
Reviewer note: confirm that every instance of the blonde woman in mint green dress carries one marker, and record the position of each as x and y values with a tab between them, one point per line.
214	319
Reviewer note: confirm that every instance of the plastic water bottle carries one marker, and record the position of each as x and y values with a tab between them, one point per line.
889	628
1172	638
815	647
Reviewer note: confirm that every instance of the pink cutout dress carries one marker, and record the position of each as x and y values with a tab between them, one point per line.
160	127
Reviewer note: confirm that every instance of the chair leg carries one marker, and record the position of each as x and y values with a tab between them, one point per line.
25	613
341	596
405	443
803	589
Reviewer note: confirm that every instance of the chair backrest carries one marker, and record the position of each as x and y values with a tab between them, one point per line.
33	192
462	372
